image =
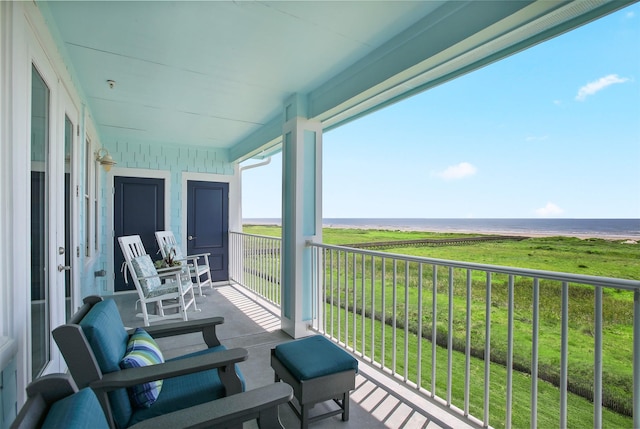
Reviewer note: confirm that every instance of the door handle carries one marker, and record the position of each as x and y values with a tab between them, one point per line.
191	237
64	267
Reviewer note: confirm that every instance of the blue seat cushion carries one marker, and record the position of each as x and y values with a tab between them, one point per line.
108	338
80	410
185	391
105	332
313	357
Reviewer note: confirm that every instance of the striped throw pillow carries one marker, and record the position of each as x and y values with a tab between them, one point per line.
142	350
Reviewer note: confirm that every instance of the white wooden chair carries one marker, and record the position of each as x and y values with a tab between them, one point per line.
166	288
198	264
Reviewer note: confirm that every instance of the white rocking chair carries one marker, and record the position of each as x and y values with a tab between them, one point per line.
198	265
167	288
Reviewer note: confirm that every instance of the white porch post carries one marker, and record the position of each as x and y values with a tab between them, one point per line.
301	214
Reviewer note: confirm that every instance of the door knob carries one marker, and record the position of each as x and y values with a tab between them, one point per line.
191	237
64	267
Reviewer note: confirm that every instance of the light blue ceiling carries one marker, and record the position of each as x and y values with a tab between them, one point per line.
216	73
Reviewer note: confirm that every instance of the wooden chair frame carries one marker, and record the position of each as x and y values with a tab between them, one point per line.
178	295
198	264
230	411
261	404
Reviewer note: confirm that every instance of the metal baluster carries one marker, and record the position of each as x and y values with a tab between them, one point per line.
419	354
384	312
467	357
355	300
597	360
510	355
363	307
636	358
487	350
534	352
332	292
373	309
406	320
346	299
434	329
339	294
394	317
564	353
450	339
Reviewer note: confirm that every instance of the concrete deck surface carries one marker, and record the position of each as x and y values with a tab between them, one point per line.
378	401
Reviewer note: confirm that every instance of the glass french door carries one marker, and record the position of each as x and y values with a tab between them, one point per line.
68	217
53	120
40	226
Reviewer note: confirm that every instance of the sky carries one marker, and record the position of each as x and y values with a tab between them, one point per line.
550	132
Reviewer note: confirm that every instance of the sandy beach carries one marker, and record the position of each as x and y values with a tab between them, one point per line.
613	237
578	228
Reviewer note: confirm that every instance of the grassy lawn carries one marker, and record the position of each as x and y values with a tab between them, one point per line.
596	257
561	254
580	410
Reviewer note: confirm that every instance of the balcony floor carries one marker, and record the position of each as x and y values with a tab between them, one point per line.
378	401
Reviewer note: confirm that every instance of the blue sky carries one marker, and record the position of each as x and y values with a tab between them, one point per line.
553	131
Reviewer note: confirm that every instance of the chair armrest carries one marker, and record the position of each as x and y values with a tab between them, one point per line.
52	387
198	255
132	376
161	275
41	393
206	326
164	273
261	403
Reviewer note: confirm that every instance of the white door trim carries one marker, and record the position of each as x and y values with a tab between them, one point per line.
109	235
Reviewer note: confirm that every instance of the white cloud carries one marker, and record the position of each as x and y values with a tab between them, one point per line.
598	85
549	210
460	171
536	138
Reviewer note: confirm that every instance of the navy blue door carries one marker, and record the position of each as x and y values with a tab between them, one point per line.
208	224
138	209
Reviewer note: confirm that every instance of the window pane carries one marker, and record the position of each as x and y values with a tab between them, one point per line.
39	223
68	195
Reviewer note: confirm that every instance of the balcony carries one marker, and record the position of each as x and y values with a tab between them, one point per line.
496	360
392	390
377	402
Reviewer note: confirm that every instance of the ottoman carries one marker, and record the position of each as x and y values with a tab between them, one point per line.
318	370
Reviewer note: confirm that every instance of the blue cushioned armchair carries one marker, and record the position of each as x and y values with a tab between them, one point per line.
94	344
54	401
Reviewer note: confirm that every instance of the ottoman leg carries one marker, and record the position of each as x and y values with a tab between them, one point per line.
304	416
345	407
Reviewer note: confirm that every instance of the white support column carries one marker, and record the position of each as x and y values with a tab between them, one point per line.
301	214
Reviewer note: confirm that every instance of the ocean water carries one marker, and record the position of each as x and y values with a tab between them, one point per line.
596	228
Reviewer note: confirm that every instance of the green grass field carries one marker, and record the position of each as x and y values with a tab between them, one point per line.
595	257
561	254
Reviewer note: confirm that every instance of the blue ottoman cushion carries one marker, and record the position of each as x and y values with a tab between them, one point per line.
314	357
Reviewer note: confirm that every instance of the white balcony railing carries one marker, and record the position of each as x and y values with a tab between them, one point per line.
255	264
512	346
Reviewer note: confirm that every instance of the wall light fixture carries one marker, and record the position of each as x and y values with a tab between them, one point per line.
105	160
